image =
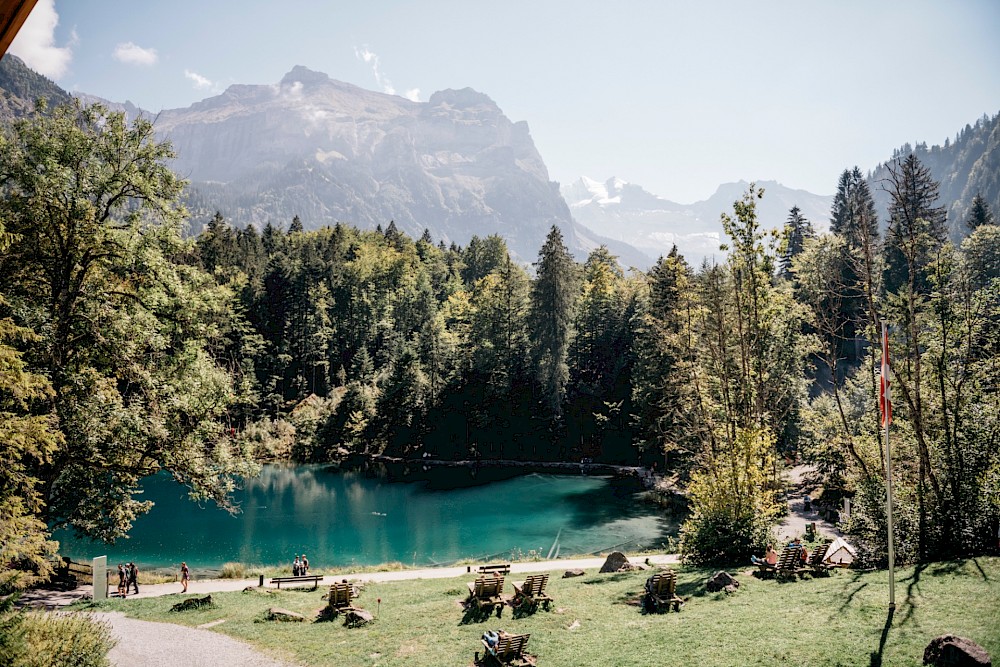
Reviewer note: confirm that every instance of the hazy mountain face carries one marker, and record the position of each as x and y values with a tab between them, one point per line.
963	168
630	214
328	151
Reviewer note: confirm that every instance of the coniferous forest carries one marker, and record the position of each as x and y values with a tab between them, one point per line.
128	347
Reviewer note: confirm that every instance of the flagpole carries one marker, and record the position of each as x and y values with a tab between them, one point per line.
886	418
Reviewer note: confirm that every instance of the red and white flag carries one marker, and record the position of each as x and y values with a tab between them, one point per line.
884	395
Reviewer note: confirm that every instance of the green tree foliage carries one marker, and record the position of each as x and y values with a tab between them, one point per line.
979	213
733	504
941	304
553	299
916	224
797	230
28	438
663	350
747	384
128	333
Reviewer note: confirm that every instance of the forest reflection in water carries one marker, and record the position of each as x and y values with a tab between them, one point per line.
352	518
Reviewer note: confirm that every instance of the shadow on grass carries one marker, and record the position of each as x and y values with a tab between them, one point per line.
912	589
876	657
850	596
476	614
607	579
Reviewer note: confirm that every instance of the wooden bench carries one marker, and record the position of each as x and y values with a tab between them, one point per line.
661	592
498	568
314	579
531	593
510	650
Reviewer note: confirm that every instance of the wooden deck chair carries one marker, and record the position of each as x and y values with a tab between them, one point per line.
486	593
531	593
340	598
661	592
789	563
817	557
510	650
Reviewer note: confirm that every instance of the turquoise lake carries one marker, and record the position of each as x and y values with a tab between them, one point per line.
350	518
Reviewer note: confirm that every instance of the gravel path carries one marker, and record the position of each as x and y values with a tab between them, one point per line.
149	644
794	524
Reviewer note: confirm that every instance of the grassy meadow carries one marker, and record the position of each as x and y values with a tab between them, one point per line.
828	621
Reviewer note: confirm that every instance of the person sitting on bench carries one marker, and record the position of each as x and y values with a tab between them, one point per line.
770	557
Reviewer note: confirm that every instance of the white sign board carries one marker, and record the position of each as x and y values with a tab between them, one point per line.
101	578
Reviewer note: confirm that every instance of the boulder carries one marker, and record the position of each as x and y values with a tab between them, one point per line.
192	603
722	581
616	562
573	573
279	614
355	617
955	651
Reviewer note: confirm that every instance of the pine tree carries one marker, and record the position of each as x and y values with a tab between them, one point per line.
916	226
797	230
552	301
979	213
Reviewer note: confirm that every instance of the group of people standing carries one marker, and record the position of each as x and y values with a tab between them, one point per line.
300	566
128	576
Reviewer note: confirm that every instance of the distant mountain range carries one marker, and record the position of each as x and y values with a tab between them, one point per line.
630	214
331	152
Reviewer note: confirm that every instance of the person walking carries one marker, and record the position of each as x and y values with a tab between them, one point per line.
185	576
133	577
304	566
122	581
296	567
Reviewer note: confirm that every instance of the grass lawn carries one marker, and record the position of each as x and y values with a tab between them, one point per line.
836	620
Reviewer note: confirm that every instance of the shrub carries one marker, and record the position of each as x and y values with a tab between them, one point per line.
733	506
55	640
238	571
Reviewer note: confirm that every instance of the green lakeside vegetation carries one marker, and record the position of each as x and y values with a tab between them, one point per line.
130	348
828	621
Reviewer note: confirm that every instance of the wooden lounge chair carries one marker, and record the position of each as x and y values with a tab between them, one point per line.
531	593
486	594
340	598
816	559
789	563
509	651
661	592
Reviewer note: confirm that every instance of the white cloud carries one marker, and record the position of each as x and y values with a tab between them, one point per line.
198	80
413	94
35	44
133	54
371	58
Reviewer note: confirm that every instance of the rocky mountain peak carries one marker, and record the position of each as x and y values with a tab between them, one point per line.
305	76
464	98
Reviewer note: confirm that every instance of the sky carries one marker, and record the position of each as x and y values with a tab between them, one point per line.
677	97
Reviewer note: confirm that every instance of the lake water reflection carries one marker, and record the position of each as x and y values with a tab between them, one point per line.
343	518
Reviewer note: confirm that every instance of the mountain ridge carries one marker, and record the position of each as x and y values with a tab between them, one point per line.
631	214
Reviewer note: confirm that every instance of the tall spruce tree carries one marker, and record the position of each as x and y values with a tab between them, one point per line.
552	301
854	219
979	213
917	227
797	230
